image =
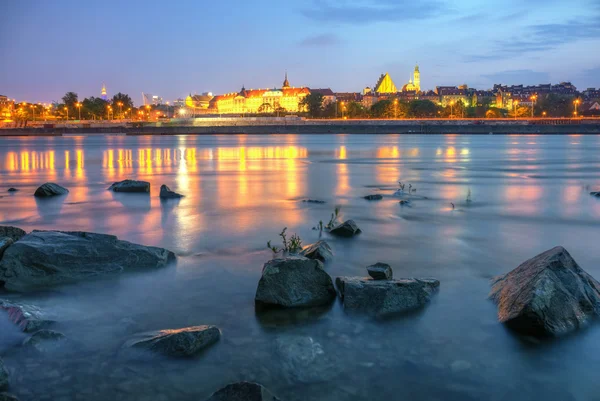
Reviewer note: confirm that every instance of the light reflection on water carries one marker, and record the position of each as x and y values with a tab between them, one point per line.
529	194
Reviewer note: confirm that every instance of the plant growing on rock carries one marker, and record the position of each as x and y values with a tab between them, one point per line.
293	245
334	218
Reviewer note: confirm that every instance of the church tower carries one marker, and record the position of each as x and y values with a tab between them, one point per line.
286	83
103	93
417	79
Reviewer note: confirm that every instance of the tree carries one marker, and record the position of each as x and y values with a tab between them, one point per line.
494	112
265	108
383	109
356	110
555	105
121	102
313	104
94	107
70	99
422	108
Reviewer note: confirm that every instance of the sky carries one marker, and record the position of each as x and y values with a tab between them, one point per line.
172	49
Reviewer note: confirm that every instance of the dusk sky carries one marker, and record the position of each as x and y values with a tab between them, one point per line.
172	49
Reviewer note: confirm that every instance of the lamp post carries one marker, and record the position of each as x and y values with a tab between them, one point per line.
516	103
148	111
342	103
67	110
120	109
79	109
533	100
33	111
451	109
576	103
543	114
395	108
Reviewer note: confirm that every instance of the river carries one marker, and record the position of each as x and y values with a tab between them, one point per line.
527	194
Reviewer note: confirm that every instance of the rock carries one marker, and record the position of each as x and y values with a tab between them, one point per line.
45	258
130	186
313	201
46	341
320	250
303	360
346	229
380	271
373	197
3	376
294	281
548	294
11	189
50	189
596	194
382	298
8	397
13	233
404	202
5	242
179	342
243	391
166	193
28	317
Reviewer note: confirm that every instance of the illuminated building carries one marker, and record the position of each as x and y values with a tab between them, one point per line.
328	95
199	102
414	84
385	84
6	107
103	94
286	99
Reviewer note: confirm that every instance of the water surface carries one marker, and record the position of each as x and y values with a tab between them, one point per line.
528	194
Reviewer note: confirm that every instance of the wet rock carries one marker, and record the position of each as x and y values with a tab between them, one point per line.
13	233
11	189
46	341
303	360
3	376
166	193
5	242
382	298
319	250
130	186
373	197
45	258
404	202
8	397
294	281
380	271
28	317
548	294
346	229
313	201
243	391
176	343
596	194
50	189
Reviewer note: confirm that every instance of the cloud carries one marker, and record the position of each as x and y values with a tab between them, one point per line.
510	77
371	11
322	40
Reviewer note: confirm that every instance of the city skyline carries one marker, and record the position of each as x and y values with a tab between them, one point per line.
343	45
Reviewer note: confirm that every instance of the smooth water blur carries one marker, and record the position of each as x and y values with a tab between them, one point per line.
529	193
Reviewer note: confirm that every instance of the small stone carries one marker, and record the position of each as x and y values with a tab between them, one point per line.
50	189
5	242
166	193
460	366
380	271
11	189
313	201
320	250
346	229
596	194
243	391
176	343
373	197
404	202
130	186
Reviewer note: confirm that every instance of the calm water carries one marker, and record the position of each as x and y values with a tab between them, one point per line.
529	193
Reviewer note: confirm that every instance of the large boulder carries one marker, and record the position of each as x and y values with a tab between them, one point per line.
50	189
320	250
548	294
596	194
3	376
5	242
381	298
346	229
243	391
179	342
45	258
166	193
29	318
294	281
130	186
13	233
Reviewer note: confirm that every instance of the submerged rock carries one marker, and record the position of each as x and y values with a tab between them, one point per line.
313	201
596	194
50	189
404	202
320	250
346	229
11	189
28	317
45	258
13	233
304	360
166	193
243	391
5	242
548	294
8	397
381	298
294	281
130	186
380	271
3	376
46	341
374	197
179	342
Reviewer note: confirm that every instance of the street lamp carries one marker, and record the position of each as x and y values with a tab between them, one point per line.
67	110
533	99
78	105
395	108
576	103
451	109
33	111
543	114
182	111
120	109
342	103
516	103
